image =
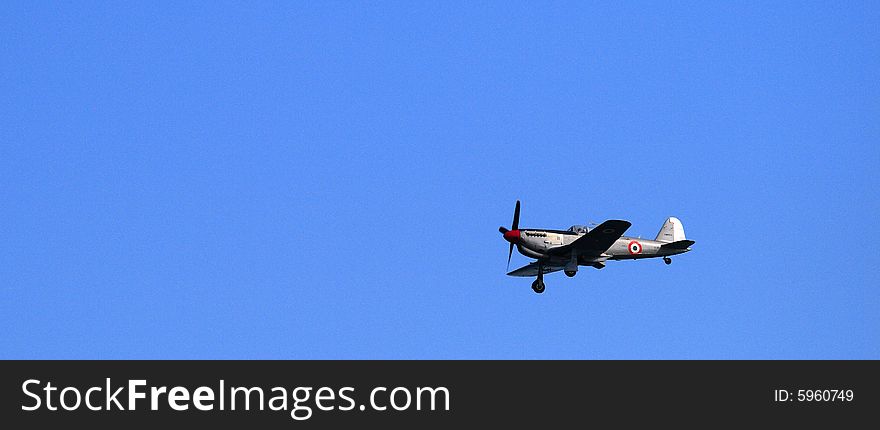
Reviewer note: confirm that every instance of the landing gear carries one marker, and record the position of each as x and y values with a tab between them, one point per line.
667	260
538	285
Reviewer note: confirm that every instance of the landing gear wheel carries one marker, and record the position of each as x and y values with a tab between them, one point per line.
538	287
667	260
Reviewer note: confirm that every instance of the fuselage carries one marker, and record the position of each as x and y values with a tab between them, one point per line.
535	243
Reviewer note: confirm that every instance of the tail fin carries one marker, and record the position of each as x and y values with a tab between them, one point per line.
672	231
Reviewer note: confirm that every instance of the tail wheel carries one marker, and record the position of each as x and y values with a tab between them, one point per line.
667	260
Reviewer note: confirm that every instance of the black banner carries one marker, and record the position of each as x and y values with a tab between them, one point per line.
407	393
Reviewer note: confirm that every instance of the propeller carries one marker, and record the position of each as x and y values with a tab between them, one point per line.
511	235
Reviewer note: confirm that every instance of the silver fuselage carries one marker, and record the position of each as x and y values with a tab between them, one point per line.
535	243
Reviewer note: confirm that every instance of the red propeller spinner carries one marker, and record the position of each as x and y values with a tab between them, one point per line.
511	236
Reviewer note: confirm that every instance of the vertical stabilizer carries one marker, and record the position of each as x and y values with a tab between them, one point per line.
672	231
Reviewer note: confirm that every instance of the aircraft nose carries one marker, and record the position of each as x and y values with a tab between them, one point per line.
512	236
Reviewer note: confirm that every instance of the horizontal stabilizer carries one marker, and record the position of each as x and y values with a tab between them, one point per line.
681	244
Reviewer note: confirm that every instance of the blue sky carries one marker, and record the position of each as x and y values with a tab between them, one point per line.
292	181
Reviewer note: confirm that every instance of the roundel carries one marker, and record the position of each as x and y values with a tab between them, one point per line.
635	248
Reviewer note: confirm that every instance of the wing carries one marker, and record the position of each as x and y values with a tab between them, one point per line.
597	241
532	270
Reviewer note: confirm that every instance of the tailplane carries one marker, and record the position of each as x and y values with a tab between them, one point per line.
672	231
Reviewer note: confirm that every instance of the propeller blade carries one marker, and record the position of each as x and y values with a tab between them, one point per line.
515	225
509	254
514	236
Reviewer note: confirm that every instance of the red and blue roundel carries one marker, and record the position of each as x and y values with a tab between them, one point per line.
635	247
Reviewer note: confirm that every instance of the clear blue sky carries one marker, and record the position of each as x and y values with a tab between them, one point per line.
218	180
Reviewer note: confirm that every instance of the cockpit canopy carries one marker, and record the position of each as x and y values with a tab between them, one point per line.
579	229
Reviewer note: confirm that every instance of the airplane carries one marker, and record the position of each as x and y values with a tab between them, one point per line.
555	250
